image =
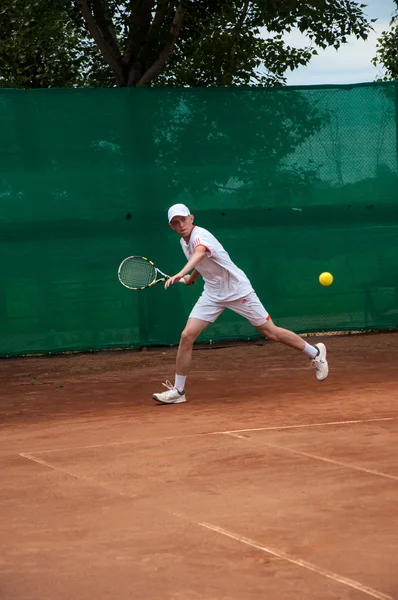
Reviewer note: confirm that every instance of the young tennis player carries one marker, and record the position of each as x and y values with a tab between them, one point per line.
226	286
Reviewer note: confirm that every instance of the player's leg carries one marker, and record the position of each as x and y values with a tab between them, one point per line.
317	353
175	394
285	336
251	308
203	313
193	329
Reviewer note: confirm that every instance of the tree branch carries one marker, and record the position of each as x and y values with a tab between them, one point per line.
135	63
103	24
139	28
108	50
160	14
238	27
163	57
235	38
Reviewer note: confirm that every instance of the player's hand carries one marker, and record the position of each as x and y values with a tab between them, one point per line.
187	280
172	280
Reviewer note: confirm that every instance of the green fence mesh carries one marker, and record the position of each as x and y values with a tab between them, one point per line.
293	181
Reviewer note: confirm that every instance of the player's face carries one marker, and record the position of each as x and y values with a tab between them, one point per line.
182	225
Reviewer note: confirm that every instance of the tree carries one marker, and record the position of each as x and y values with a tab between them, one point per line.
387	49
107	43
231	143
40	46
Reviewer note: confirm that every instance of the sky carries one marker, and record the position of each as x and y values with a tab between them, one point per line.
350	64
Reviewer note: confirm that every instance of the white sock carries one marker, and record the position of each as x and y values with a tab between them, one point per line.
310	351
180	382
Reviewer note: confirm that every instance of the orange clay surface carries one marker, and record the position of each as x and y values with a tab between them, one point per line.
265	485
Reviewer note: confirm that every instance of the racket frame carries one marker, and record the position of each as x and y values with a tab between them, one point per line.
144	287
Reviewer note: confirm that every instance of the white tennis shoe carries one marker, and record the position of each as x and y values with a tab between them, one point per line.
320	363
172	396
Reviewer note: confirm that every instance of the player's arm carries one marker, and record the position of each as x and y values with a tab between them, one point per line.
195	259
192	277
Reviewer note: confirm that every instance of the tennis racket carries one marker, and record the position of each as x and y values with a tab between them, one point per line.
139	273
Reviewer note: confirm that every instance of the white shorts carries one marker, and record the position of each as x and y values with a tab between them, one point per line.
249	307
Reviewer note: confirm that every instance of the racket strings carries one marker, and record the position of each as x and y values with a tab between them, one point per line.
137	272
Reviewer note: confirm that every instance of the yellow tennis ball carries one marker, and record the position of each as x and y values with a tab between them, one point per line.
326	279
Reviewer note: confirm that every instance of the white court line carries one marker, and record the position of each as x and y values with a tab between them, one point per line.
299	562
276	427
278	553
178	437
236	435
333	462
322	458
124	443
79	477
50	466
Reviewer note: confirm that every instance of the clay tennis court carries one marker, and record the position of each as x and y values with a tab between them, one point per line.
266	484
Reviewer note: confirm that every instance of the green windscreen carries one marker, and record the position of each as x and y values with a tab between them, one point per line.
292	181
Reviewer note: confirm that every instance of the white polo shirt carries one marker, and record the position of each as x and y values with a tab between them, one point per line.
224	281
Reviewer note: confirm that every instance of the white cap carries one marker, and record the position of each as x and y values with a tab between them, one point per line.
178	210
